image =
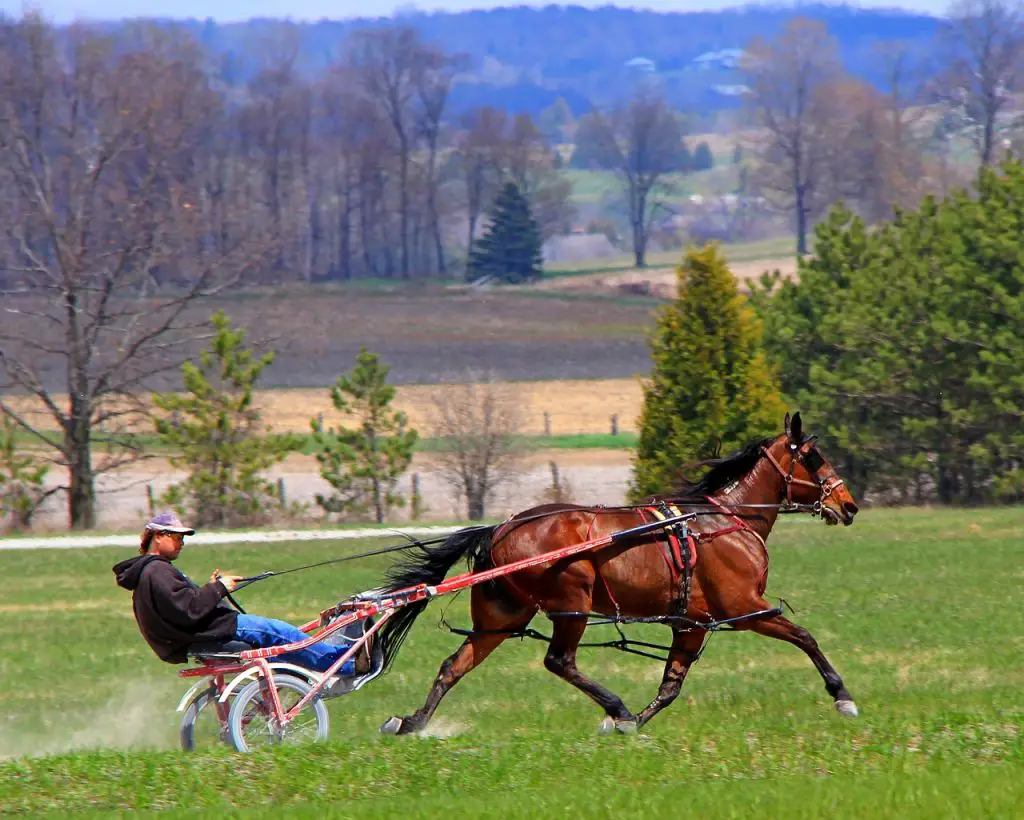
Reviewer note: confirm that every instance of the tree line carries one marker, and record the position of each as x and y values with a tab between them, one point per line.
826	136
902	343
133	186
365	171
359	173
212	430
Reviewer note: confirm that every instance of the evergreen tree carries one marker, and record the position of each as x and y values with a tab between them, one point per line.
22	480
908	343
363	463
217	433
710	382
511	247
703	159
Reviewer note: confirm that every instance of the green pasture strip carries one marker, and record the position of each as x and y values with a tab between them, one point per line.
152	444
917	609
958	791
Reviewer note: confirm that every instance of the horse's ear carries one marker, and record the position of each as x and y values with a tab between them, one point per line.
796	429
785	424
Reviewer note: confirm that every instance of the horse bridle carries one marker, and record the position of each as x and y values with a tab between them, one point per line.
807	454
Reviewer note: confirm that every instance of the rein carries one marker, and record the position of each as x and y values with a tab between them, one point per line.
413	542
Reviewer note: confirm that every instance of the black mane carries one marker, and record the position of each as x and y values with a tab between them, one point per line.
723	471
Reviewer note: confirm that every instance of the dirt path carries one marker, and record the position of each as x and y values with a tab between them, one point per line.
659	282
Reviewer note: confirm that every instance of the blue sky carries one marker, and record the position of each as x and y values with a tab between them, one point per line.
227	10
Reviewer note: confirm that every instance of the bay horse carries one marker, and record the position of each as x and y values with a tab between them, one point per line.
638	578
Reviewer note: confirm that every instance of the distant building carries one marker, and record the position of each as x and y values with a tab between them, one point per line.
726	58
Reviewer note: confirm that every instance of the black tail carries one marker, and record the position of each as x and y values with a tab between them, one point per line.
426	565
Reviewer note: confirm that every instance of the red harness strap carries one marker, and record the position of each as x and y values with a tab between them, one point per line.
673	554
740	524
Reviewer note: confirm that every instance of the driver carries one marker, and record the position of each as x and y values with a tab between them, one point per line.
173	612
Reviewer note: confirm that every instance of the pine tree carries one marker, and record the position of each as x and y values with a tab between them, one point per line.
363	464
905	342
703	159
218	435
511	248
710	382
22	476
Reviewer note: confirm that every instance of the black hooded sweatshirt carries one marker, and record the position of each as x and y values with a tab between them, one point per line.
171	610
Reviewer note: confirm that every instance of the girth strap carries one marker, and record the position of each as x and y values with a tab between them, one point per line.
682	553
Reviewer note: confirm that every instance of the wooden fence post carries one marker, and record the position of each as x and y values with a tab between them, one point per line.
416	502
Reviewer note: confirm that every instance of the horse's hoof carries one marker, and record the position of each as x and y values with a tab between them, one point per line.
847	708
624	727
392	726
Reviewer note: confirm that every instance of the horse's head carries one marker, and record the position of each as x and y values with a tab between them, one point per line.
809	477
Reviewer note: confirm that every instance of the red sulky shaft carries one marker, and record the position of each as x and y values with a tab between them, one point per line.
468	579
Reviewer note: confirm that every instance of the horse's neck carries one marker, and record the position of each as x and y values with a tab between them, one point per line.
762	485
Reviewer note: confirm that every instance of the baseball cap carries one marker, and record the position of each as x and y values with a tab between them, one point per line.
168	522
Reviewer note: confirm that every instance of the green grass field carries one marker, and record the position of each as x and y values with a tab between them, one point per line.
590	187
918	610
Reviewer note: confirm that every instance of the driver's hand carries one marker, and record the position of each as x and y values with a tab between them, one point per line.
229	581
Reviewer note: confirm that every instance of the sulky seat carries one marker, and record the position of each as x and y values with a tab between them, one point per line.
213	649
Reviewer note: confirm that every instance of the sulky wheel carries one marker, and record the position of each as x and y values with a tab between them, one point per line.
252	723
205	722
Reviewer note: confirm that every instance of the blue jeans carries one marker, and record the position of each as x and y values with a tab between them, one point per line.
264	632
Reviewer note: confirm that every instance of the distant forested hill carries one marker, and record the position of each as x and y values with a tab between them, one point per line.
523	59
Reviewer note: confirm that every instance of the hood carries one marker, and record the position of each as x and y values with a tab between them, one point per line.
129	572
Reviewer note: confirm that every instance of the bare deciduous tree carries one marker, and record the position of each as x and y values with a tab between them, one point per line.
432	92
791	82
984	44
477	424
398	71
529	162
642	142
103	232
877	149
480	147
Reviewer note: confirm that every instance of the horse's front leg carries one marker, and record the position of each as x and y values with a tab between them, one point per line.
684	652
785	630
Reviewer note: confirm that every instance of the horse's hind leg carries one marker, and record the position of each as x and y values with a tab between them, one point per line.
785	630
561	659
684	652
493	620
